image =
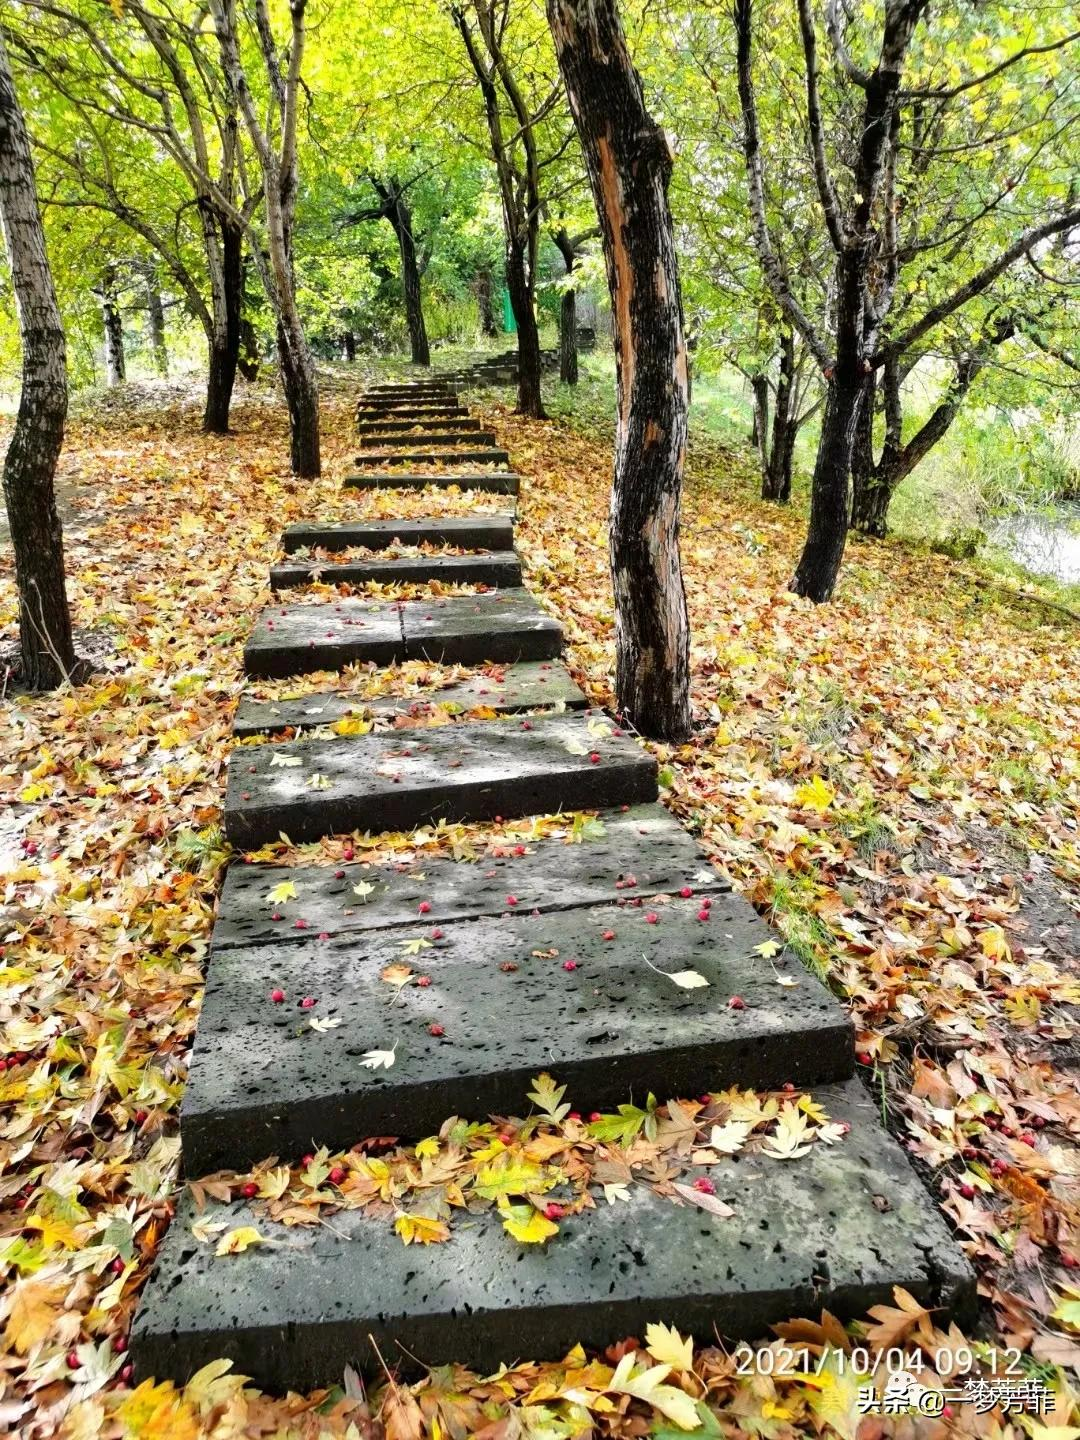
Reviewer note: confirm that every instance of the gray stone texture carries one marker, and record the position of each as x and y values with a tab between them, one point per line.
389	423
835	1230
496	483
476	770
532	685
467	532
504	626
614	1027
482	568
438	457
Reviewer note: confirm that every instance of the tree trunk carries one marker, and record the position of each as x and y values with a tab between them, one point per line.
530	398
249	360
568	357
759	433
115	369
871	494
302	398
826	536
348	346
227	298
485	300
401	220
155	321
629	165
46	650
776	482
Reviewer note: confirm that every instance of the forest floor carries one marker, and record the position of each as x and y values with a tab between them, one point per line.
893	779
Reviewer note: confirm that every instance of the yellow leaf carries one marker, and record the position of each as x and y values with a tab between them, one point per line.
525	1223
286	890
425	1149
35	1304
351	725
38	791
666	1345
421	1229
235	1242
817	795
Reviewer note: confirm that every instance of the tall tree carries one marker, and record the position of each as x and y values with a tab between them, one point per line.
275	146
392	205
629	164
46	650
895	109
569	247
513	124
112	324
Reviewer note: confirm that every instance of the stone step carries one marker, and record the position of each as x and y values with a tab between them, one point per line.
641	851
428	382
532	685
410	392
467	532
502	568
495	483
505	626
438	457
387	440
836	1229
261	1082
472	771
463	423
408	409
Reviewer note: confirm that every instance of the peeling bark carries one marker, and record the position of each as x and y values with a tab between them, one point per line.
629	165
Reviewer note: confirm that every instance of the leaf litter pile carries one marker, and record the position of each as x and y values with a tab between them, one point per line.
893	780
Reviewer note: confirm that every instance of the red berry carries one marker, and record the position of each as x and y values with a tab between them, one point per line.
553	1211
127	1372
788	1088
511	899
301	925
423	981
1027	1139
275	916
307	1002
117	1265
998	1167
594	758
141	1117
1039	1123
337	1174
704	1185
324	934
569	964
436	934
707	902
992	1122
436	1030
574	1115
307	1160
250	1190
594	1117
686	892
1069	1260
347	853
339	874
703	914
73	1361
608	935
863	1057
277	996
967	1191
736	1003
652	918
506	1136
119	1344
424	907
519	849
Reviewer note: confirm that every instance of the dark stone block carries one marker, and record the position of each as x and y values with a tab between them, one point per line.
438	457
384	440
498	569
835	1230
472	771
644	842
262	1082
408	387
529	686
377	423
495	483
394	410
467	532
504	627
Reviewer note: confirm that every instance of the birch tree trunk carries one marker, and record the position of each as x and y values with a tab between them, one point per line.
155	320
113	325
629	165
47	655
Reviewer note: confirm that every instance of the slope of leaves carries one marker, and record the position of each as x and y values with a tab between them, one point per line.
893	779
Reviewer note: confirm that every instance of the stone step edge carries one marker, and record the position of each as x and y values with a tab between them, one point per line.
431	457
836	1229
477	567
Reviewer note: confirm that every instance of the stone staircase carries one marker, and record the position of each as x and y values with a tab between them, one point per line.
836	1229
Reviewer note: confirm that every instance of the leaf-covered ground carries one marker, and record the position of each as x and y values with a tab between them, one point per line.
893	779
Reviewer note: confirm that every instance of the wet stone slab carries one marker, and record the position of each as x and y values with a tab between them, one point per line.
476	770
531	685
407	410
494	482
467	532
623	857
503	1007
457	456
501	569
505	626
836	1230
377	424
392	440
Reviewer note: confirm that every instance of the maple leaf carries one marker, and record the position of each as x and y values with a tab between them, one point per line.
834	1394
35	1306
546	1096
286	761
647	1385
896	1323
729	1138
668	1346
527	1224
817	794
768	948
322	1024
421	1229
379	1059
281	893
414	946
792	1136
